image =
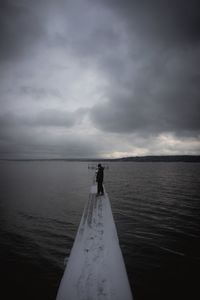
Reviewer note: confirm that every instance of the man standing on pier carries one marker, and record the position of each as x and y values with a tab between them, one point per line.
99	180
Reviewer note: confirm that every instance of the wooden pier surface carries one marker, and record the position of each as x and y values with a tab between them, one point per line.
95	269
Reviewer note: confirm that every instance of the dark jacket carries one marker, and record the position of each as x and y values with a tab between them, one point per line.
99	177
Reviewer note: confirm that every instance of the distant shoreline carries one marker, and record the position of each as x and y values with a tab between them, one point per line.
163	158
150	158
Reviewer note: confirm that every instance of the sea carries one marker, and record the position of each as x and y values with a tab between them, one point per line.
156	208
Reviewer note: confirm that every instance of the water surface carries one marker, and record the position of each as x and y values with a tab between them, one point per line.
156	207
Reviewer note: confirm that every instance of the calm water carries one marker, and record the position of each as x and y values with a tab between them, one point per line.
156	207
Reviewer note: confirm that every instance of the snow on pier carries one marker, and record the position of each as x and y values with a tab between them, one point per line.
95	269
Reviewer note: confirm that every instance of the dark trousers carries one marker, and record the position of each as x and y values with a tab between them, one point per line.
100	187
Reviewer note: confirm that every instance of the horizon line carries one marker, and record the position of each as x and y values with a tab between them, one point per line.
103	159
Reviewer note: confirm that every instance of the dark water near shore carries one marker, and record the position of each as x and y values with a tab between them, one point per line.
156	207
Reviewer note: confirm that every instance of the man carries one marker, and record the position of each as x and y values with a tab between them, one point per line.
99	180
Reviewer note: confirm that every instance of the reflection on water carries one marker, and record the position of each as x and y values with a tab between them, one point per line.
155	205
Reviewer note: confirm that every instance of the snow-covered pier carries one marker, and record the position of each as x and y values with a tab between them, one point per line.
95	269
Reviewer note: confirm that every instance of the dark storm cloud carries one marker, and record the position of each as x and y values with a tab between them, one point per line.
39	92
163	47
20	28
167	101
47	117
174	21
147	52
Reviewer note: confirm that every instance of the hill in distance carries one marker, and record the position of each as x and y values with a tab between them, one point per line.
163	158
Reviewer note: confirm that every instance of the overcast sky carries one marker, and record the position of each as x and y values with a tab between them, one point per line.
99	78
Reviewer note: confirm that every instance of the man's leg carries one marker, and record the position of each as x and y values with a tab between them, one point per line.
98	187
101	188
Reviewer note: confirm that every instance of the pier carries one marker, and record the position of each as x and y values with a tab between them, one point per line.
95	269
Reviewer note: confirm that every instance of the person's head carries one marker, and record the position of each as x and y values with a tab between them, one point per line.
99	165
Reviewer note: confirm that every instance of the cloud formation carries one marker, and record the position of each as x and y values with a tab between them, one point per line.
78	77
159	91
